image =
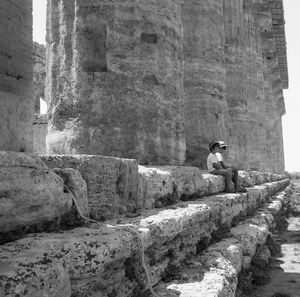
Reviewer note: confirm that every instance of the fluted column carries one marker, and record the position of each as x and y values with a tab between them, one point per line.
204	77
115	79
244	85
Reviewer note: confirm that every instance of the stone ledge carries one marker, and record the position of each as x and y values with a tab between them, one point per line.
219	266
30	193
112	183
91	258
164	185
120	187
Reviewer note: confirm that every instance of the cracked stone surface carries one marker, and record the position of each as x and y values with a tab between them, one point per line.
30	192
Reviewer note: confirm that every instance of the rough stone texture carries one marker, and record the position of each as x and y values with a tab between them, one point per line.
105	262
112	183
118	187
235	70
114	79
39	74
214	273
17	278
40	127
262	257
30	192
204	77
48	264
77	186
277	11
254	85
164	185
16	90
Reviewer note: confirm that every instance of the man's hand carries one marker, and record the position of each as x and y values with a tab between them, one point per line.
217	165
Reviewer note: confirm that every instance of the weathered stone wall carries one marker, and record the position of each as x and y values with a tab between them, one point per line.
16	91
114	79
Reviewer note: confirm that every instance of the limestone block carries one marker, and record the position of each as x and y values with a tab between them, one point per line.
216	183
22	274
245	179
256	195
30	192
225	207
257	177
191	182
274	187
77	186
230	249
154	183
222	261
164	185
81	258
168	223
262	257
295	202
216	282
97	260
112	183
250	236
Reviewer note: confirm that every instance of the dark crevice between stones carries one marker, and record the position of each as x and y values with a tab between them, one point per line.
134	273
259	274
68	221
256	275
203	244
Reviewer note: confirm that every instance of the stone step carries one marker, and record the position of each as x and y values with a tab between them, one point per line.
35	198
120	187
106	261
215	272
30	193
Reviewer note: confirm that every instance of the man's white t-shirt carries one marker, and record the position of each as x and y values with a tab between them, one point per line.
219	157
212	158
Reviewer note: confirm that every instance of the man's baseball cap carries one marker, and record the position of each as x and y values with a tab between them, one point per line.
222	144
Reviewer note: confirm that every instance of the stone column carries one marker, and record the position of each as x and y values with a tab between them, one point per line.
244	86
115	79
274	80
16	89
204	77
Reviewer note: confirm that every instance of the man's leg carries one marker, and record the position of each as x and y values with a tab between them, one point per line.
235	178
227	173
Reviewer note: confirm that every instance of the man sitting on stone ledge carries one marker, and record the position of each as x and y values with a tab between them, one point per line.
235	174
215	167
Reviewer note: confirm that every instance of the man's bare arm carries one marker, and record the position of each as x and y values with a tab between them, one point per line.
217	165
224	165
